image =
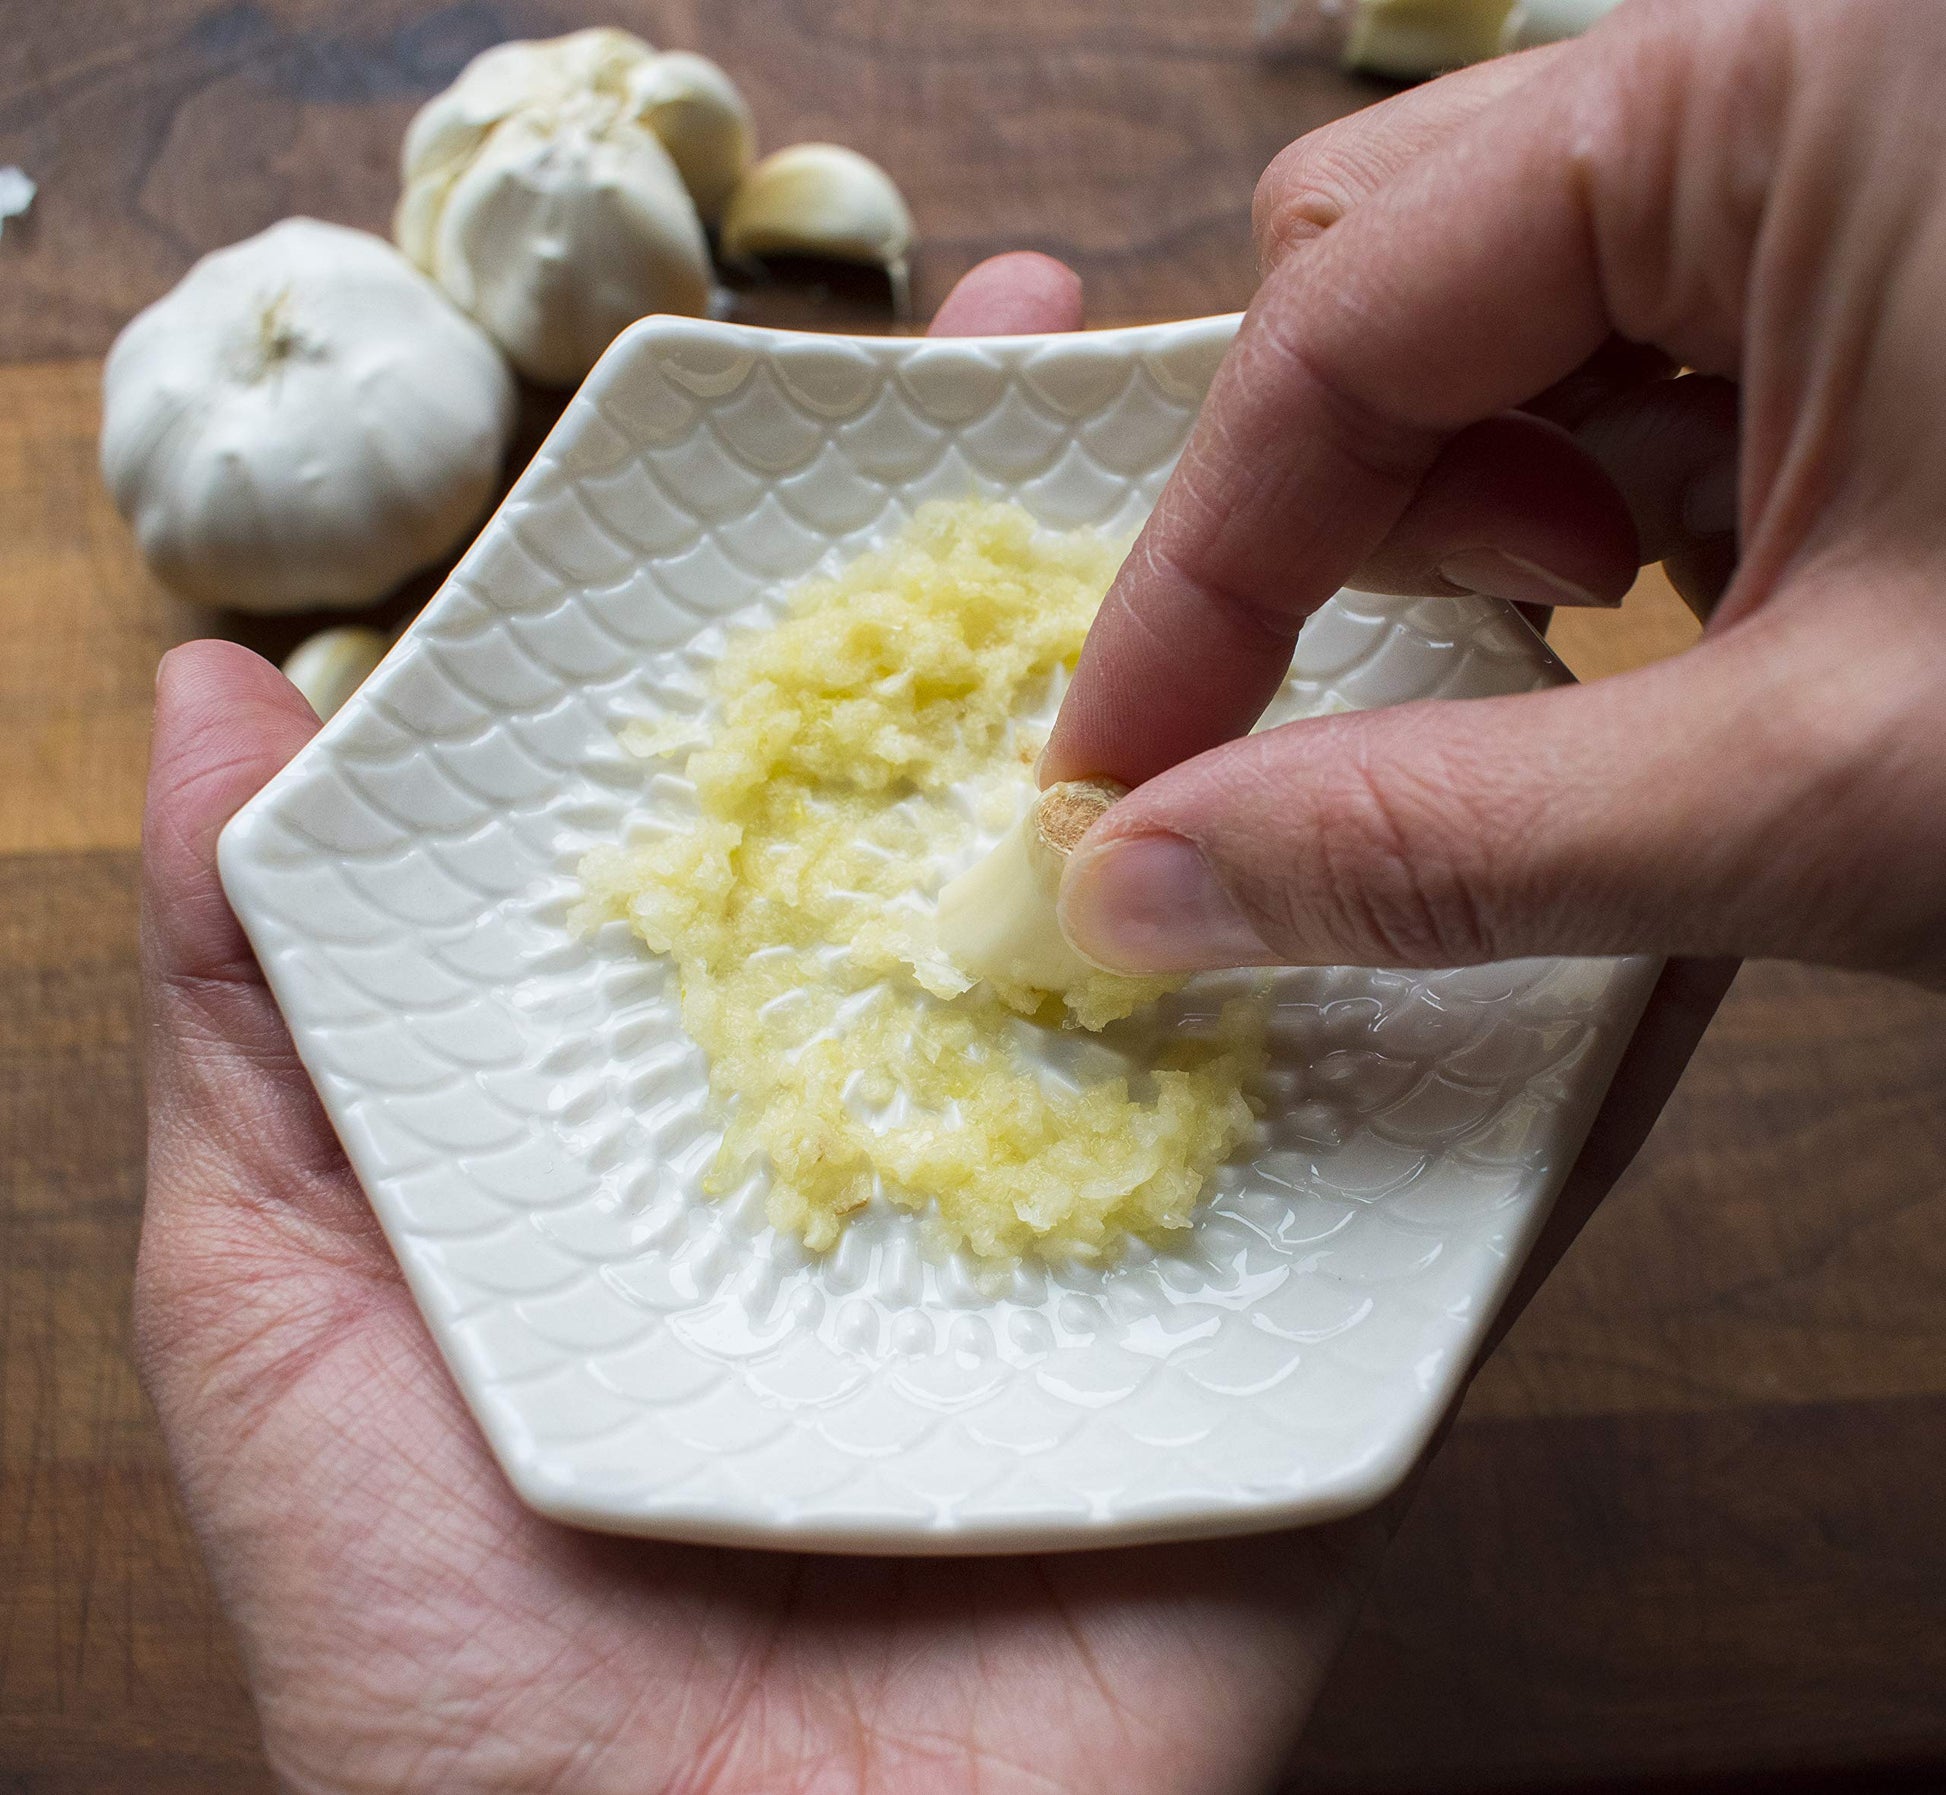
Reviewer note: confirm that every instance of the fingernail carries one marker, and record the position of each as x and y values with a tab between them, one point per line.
1494	573
1149	903
1709	502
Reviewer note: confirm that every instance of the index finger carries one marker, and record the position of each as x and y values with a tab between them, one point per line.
1470	285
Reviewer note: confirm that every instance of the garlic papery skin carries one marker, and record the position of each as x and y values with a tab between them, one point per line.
997	920
821	199
699	117
546	209
303	421
328	667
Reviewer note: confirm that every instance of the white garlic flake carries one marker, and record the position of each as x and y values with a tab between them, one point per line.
557	190
301	422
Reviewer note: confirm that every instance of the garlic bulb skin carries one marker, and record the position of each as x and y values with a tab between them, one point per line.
546	209
821	199
699	117
301	422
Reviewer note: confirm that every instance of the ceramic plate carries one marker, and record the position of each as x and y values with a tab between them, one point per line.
530	1121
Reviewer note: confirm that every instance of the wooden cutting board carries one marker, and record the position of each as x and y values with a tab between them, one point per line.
1685	1527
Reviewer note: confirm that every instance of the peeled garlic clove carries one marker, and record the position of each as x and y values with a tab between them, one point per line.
699	117
820	199
997	919
1408	39
545	208
328	667
1535	22
303	421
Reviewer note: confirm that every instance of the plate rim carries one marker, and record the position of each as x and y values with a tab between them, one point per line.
1343	1491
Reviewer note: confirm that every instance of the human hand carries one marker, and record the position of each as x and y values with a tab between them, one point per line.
408	1625
1748	188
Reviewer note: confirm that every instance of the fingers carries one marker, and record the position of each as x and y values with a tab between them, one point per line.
1472	282
1021	294
1314	182
1514	509
1702	806
1533	521
1671	447
1618	366
238	1139
225	721
267	1303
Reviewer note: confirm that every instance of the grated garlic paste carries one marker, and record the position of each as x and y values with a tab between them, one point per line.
851	755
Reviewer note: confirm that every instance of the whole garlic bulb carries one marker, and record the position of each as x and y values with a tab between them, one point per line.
539	195
821	199
302	421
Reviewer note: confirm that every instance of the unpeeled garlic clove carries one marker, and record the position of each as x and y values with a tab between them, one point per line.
821	199
328	667
997	920
701	120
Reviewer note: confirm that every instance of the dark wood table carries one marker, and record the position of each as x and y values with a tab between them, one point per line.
1686	1532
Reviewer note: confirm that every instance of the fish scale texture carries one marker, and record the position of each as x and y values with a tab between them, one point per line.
531	1122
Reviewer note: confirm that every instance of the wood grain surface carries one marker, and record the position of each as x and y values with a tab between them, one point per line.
1684	1535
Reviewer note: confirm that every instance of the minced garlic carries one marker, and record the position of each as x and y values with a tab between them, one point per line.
850	754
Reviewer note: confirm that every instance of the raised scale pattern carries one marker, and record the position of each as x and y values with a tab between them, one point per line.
530	1120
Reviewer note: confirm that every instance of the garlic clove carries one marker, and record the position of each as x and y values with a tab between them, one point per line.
547	211
449	129
1534	22
997	920
304	420
1409	39
699	117
501	81
599	57
328	667
556	242
820	199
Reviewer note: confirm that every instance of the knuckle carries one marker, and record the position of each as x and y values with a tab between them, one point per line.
1365	429
1299	197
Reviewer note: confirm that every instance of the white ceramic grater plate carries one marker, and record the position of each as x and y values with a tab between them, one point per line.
530	1120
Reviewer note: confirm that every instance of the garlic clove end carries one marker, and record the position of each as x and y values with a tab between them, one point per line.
328	667
821	199
997	920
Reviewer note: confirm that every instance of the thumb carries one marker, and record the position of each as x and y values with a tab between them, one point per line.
245	1175
225	721
1718	803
